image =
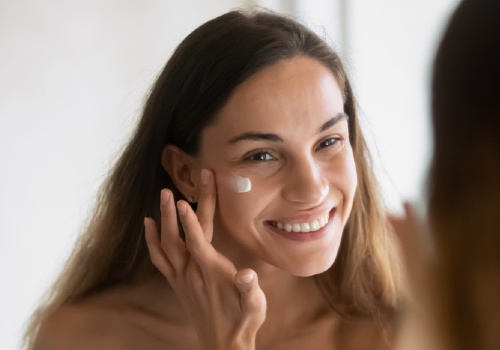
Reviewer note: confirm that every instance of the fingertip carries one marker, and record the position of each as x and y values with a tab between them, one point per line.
164	196
245	278
252	298
205	176
182	207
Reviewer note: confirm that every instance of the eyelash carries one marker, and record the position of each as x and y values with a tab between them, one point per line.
334	141
253	157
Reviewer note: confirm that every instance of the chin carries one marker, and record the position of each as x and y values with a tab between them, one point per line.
314	268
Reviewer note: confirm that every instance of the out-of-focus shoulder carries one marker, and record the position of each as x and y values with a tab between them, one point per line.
118	318
61	329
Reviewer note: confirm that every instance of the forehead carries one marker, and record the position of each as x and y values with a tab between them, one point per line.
298	93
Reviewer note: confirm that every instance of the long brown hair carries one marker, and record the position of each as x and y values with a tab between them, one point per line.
464	179
195	83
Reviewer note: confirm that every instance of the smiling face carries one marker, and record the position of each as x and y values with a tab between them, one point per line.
285	130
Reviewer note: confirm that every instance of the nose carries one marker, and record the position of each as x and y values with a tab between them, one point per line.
306	183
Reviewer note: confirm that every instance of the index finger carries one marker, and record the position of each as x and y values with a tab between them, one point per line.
206	203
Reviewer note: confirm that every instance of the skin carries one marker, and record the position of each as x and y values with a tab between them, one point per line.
302	177
231	284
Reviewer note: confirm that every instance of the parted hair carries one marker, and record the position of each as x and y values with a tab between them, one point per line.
193	86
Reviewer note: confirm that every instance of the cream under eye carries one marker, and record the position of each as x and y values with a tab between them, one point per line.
242	184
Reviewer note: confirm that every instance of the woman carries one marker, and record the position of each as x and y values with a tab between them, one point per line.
284	242
464	185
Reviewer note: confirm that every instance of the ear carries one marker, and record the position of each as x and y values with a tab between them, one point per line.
181	167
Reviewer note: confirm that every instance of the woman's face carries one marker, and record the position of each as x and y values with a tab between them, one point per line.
284	129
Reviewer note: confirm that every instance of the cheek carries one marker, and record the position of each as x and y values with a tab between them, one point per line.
345	178
243	187
238	208
351	174
244	211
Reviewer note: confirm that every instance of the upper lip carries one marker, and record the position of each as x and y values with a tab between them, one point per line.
305	216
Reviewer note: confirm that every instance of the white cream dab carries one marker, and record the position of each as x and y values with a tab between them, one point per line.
242	184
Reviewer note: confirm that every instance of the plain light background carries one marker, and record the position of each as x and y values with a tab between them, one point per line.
74	75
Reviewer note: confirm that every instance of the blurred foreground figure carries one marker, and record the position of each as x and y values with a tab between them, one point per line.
464	202
464	183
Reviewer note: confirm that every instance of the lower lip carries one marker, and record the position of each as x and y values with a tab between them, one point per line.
305	236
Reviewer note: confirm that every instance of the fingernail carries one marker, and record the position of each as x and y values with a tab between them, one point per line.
246	278
182	208
205	176
165	195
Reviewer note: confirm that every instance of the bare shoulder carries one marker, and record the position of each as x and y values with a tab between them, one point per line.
369	334
70	327
115	319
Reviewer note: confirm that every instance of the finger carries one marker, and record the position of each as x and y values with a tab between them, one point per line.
196	242
171	243
156	253
206	203
252	298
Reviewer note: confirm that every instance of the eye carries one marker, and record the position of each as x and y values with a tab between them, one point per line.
330	142
261	156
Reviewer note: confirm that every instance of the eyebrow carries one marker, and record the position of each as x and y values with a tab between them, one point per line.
257	136
333	121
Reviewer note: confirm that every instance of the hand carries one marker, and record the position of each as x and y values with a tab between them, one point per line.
227	307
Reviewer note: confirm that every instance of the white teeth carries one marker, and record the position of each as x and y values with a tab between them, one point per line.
305	226
322	222
315	225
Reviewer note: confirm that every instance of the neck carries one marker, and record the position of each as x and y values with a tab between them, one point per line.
295	305
280	287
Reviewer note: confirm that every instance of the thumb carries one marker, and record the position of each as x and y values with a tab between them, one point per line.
252	298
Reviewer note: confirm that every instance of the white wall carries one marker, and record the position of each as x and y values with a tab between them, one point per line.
390	48
73	75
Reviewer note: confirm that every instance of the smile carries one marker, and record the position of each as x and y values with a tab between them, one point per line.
312	226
